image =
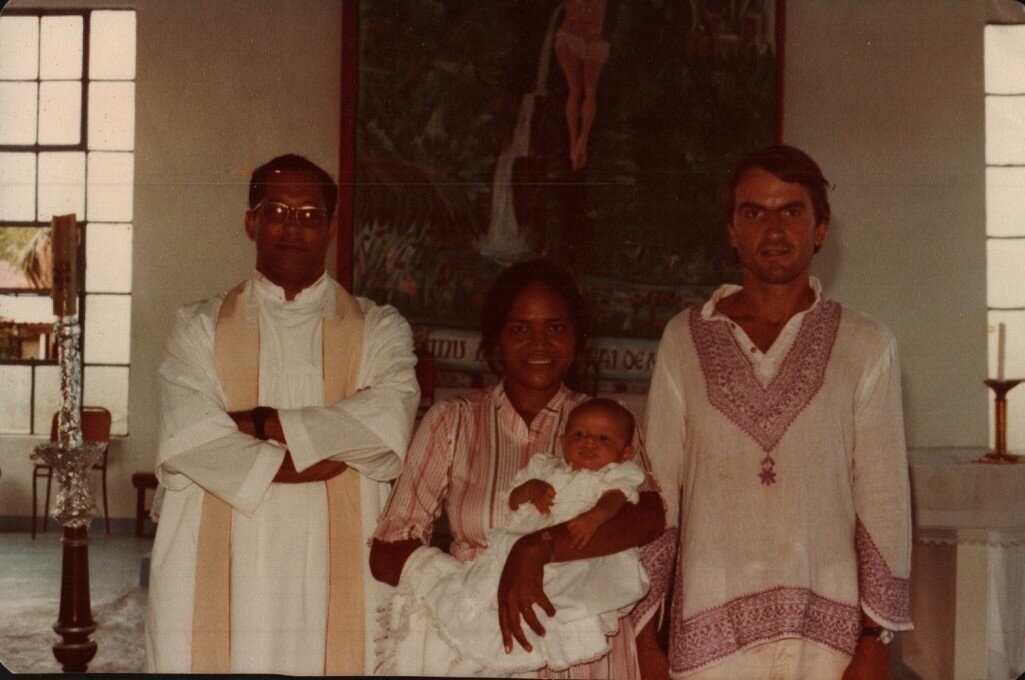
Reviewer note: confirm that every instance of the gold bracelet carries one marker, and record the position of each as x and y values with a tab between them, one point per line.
548	540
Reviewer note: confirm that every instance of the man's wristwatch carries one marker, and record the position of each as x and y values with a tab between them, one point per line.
884	635
260	416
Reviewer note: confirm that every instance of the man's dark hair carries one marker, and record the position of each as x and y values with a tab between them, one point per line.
292	163
611	407
790	165
508	286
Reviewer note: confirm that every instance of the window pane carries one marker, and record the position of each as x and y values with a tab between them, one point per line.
48	398
15	398
108	386
27	309
1005	284
18	103
60	113
60	48
112	45
25	261
1005	120
1005	59
26	341
61	185
1005	201
1014	344
108	258
110	187
18	186
108	324
19	48
112	116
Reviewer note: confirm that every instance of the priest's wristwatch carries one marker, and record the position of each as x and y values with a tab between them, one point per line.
884	635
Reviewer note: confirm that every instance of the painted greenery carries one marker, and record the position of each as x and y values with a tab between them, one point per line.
688	89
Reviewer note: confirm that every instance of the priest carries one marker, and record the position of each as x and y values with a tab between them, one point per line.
286	406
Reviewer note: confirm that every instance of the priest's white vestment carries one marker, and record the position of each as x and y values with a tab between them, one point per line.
278	541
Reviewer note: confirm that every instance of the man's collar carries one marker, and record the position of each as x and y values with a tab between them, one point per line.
708	310
260	286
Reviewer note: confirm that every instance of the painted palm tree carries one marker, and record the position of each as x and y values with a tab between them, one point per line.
405	216
403	194
33	260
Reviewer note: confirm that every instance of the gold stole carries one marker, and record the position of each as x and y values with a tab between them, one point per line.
237	359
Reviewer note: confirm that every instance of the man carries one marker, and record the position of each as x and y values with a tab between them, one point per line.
774	425
287	405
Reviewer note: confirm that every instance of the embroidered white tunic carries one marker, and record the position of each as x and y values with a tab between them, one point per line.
786	474
279	531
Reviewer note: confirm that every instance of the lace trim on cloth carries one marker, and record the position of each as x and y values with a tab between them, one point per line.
657	560
781	612
881	591
765	413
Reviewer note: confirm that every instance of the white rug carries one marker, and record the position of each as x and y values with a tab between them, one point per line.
26	643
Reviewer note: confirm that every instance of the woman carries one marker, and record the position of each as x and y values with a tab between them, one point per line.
467	451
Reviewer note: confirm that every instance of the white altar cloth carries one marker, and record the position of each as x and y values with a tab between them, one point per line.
968	568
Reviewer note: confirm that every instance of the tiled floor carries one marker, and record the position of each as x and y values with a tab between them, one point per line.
30	592
30	573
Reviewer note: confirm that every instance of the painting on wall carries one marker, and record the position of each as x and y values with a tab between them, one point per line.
596	133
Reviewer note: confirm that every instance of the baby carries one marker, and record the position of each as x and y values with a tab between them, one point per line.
443	618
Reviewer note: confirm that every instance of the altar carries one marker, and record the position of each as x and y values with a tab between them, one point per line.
968	567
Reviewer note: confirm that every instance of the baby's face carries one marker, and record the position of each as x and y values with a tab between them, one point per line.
593	439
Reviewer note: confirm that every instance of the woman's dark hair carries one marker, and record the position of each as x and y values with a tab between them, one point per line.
508	286
293	163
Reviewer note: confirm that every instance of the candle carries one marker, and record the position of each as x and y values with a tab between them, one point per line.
64	247
1001	344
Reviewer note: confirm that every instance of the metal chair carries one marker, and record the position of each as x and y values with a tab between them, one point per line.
95	428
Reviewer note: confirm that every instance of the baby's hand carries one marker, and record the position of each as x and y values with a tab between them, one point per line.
582	527
536	491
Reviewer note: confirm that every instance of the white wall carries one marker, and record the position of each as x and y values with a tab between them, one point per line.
885	94
222	86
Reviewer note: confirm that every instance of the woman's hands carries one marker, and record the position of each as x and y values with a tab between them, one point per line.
520	588
521	584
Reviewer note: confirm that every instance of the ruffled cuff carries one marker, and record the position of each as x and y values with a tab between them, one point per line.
391	530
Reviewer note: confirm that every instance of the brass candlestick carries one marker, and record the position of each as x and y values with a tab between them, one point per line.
1000	389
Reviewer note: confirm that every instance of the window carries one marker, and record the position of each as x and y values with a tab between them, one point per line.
1005	209
67	140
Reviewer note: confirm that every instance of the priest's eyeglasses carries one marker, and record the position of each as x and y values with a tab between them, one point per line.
277	214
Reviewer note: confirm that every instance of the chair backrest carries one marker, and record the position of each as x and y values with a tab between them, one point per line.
96	422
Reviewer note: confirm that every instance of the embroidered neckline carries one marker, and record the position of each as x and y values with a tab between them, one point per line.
765	413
